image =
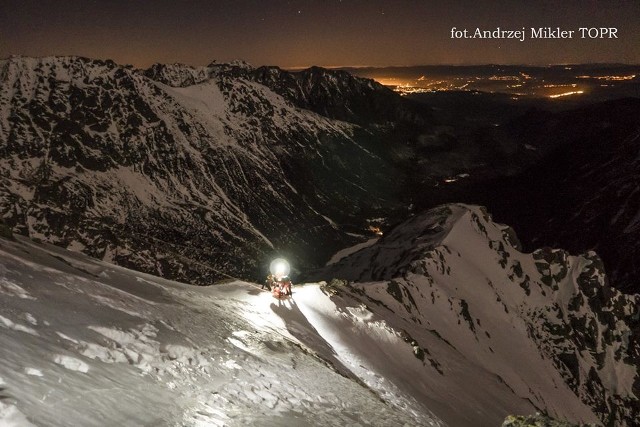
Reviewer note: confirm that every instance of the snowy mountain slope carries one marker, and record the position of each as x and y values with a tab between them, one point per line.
182	181
83	342
450	322
495	330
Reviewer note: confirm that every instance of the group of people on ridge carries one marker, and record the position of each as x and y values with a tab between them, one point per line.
279	286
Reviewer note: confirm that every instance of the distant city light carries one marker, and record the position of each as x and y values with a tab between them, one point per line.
559	95
609	78
515	84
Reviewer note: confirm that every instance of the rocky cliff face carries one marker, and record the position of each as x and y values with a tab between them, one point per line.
191	173
584	194
543	328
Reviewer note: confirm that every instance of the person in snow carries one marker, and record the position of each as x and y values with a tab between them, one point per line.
268	283
285	284
276	290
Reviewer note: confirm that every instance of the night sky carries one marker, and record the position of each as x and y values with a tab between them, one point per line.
299	33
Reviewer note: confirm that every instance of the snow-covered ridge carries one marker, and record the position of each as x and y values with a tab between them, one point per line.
541	330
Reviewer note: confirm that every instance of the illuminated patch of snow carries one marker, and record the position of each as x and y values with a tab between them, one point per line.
10	416
29	317
65	337
71	363
9	324
10	288
33	372
350	250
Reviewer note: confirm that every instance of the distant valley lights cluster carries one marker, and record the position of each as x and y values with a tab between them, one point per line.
559	95
422	85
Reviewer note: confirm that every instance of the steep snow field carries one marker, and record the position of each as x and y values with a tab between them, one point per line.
83	342
443	321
